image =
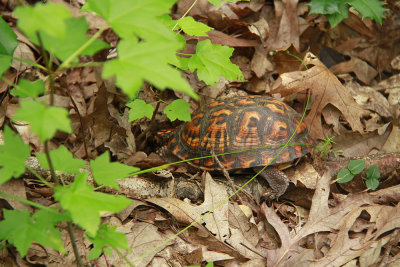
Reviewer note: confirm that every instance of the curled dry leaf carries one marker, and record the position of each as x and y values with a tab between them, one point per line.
364	72
228	227
288	33
326	89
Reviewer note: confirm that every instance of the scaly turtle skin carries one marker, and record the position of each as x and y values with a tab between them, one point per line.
241	123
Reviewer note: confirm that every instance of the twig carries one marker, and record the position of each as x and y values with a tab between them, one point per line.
73	242
81	123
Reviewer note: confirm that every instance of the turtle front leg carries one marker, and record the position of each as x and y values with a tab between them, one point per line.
277	180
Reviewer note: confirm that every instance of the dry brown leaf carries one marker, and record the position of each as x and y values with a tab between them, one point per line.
326	89
364	72
221	38
288	33
370	99
305	174
392	143
216	222
142	238
354	145
260	63
243	234
331	116
22	51
15	188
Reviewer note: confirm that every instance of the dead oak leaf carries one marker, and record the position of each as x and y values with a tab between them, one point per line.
216	222
326	89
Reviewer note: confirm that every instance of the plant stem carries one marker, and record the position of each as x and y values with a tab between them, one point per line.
52	171
40	177
66	63
74	247
28	202
187	11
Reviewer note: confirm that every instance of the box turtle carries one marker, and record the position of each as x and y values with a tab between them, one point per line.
241	123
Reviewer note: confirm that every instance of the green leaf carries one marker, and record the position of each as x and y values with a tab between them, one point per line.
356	166
344	176
178	109
217	3
12	156
62	160
139	109
8	43
335	18
27	88
61	34
372	183
138	17
192	27
167	21
76	38
369	8
86	206
106	172
212	61
46	19
324	6
20	229
142	61
106	236
373	172
44	121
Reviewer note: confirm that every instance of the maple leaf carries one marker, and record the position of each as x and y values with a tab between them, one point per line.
326	89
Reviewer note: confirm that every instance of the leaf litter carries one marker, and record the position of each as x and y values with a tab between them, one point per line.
318	223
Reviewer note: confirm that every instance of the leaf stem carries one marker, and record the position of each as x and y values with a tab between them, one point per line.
40	177
31	63
184	15
74	247
28	202
66	63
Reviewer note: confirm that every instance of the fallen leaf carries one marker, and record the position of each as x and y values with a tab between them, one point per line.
288	33
216	222
364	72
392	143
326	89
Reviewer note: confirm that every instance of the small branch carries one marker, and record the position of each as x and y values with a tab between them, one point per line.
81	123
28	202
66	63
52	172
73	242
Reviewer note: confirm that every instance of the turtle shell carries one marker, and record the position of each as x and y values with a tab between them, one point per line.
237	125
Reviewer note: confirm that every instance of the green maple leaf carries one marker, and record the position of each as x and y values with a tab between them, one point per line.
106	236
140	61
106	172
47	19
61	34
12	156
139	109
62	160
217	3
324	6
27	88
211	61
369	8
85	205
8	43
192	27
134	16
343	13
178	109
20	229
44	121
